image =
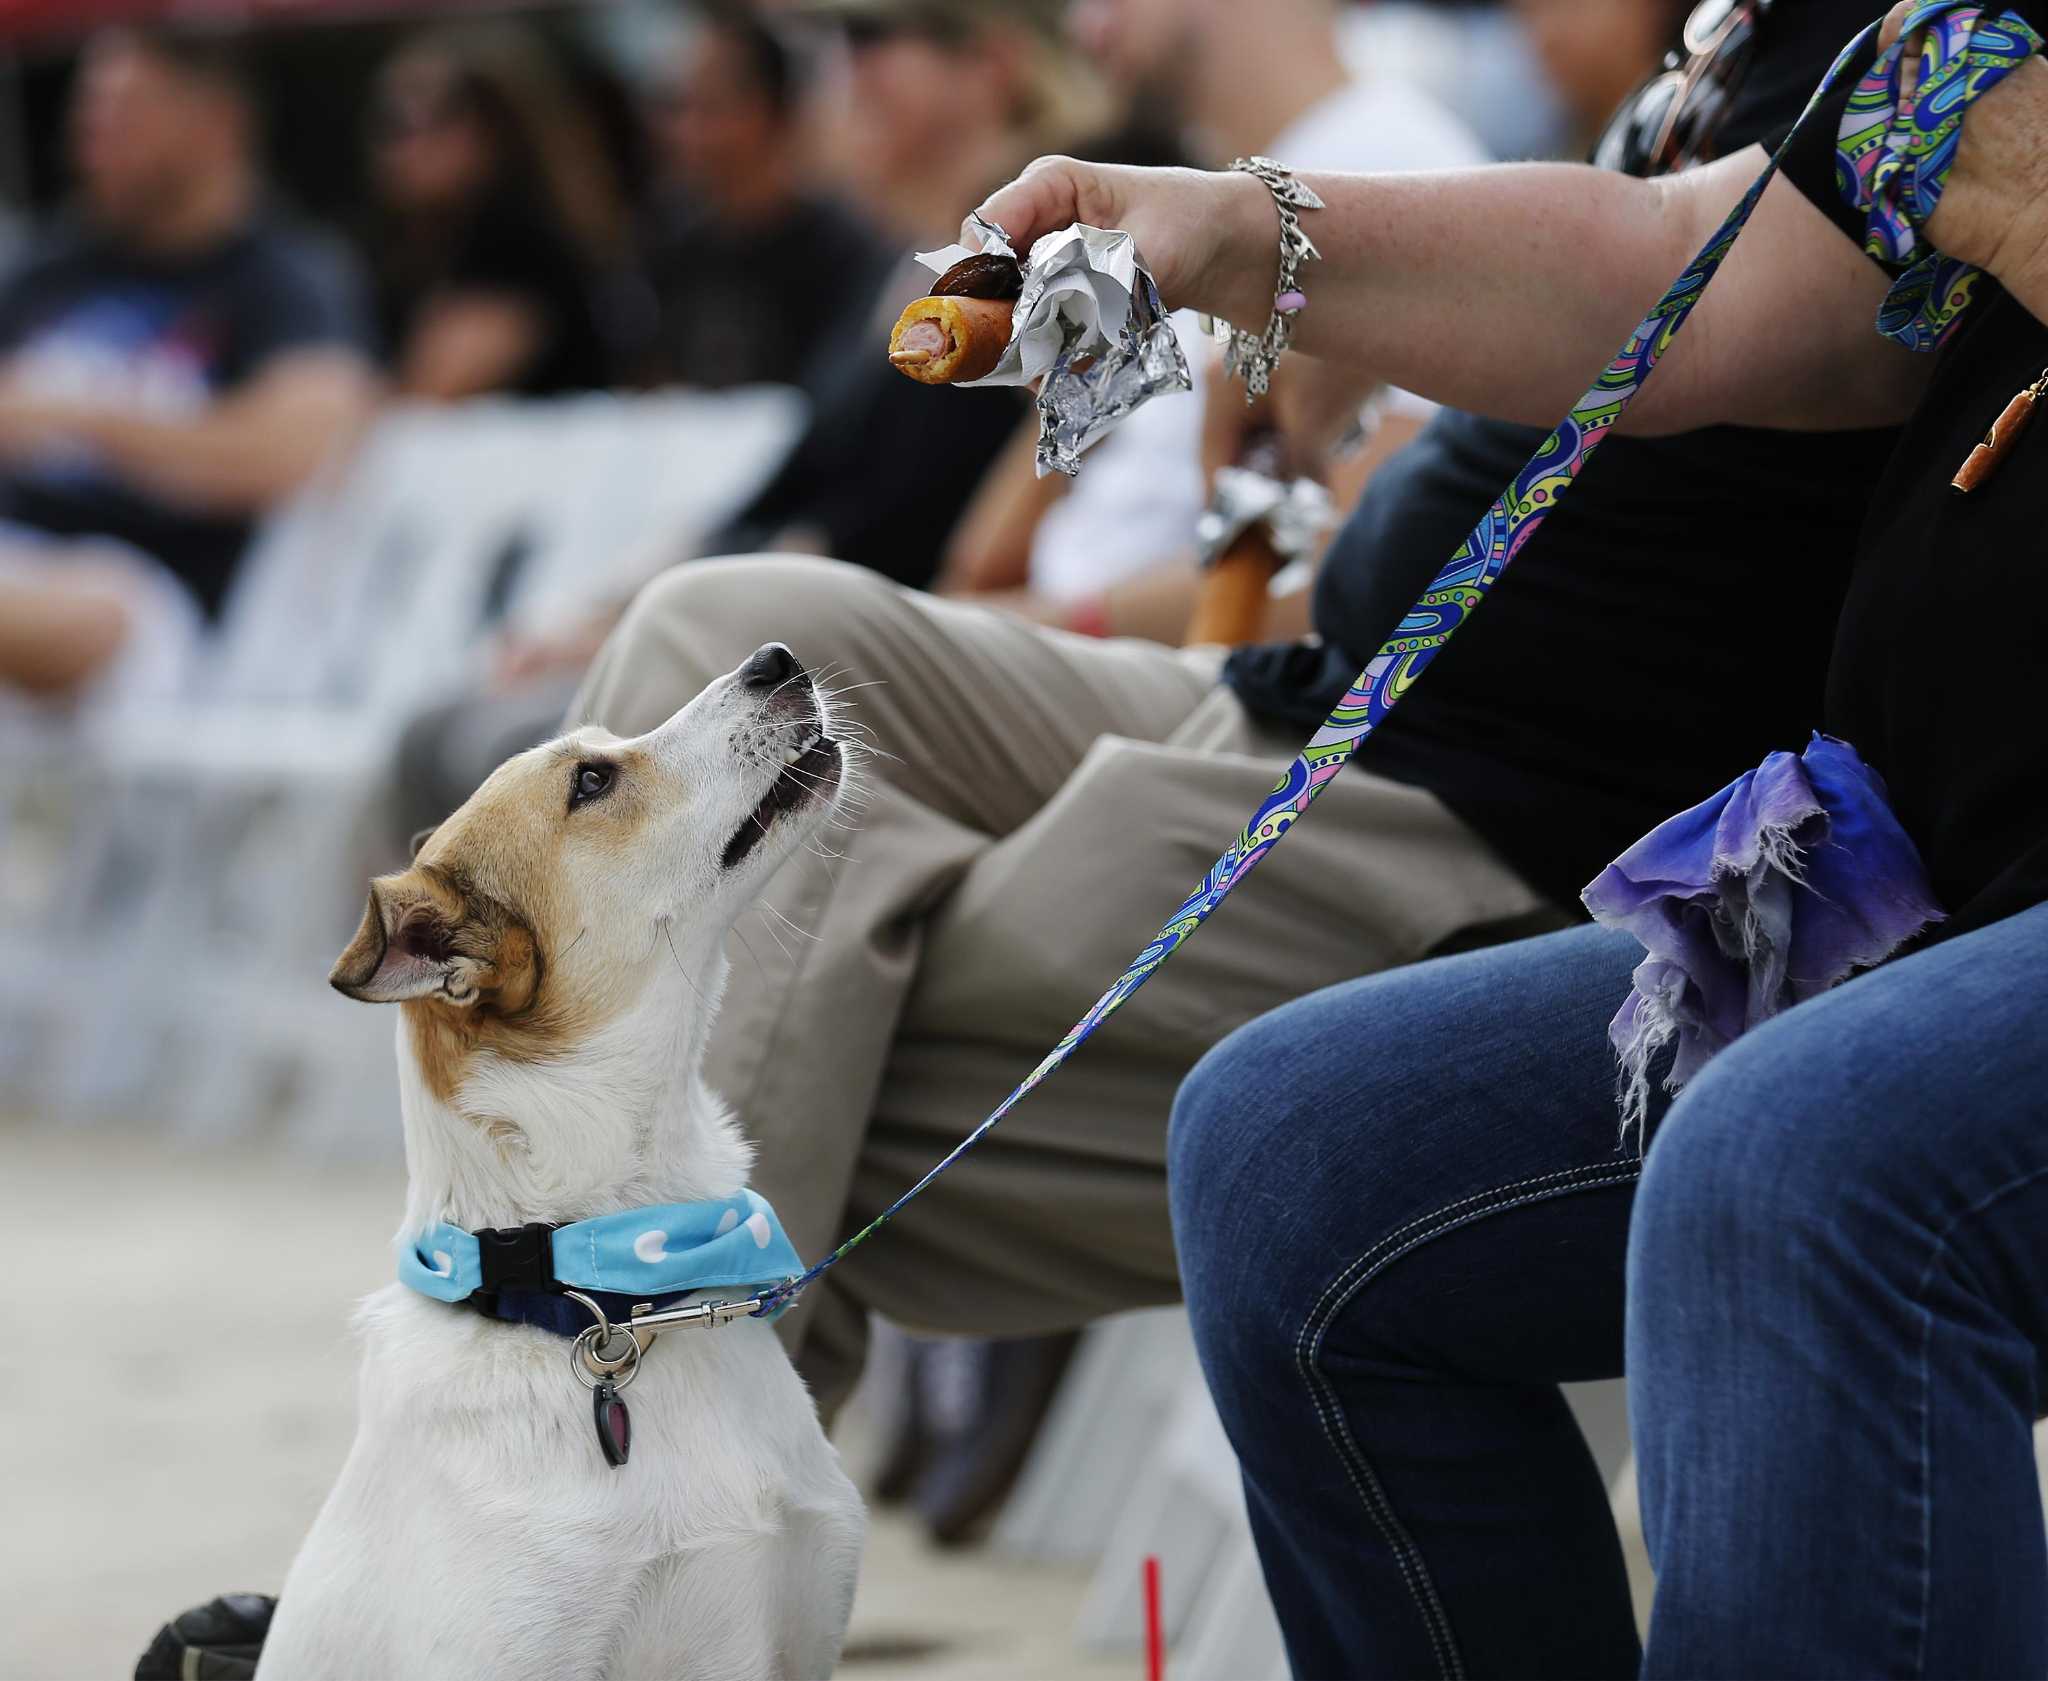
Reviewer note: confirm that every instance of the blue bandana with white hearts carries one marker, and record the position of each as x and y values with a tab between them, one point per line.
670	1249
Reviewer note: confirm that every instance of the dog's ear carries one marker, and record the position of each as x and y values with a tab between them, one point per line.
422	937
420	839
405	947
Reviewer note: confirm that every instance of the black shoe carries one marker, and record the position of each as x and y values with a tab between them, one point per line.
217	1641
971	1473
910	1448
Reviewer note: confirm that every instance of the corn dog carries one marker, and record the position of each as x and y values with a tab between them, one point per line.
961	328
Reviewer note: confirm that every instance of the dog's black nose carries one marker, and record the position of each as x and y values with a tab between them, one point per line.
769	668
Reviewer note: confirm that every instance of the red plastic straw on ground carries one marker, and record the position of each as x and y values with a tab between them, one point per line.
1155	1638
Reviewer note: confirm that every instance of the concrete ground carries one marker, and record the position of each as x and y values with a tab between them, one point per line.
170	1418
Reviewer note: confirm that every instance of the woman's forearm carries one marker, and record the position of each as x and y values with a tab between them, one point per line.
1505	290
1499	290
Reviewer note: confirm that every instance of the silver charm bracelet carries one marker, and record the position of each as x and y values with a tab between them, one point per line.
1251	356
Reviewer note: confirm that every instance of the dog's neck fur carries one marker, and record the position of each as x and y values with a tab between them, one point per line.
623	1120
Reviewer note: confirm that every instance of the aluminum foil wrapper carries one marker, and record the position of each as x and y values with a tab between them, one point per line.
1086	300
1296	512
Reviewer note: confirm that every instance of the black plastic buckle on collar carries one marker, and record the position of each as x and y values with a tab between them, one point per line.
519	1256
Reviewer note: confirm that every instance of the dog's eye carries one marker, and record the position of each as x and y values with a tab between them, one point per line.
593	781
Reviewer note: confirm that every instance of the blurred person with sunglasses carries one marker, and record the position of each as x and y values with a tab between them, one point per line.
175	360
500	226
756	273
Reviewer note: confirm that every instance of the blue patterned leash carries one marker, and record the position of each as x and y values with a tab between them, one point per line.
1962	57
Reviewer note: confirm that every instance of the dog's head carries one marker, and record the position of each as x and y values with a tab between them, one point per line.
540	908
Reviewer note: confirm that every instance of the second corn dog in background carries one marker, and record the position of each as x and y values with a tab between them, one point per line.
961	328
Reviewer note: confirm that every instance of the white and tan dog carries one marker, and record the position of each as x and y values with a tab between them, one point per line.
556	952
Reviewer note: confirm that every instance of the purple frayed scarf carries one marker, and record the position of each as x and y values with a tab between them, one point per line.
1791	879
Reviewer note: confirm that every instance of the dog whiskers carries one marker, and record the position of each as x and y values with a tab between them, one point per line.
751	952
668	930
809	779
858	738
801	933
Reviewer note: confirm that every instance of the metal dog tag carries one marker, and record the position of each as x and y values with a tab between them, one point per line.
614	1423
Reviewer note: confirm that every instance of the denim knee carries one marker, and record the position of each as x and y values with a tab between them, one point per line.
1210	1171
1721	1200
1254	1252
1772	1173
1350	1130
1218	1188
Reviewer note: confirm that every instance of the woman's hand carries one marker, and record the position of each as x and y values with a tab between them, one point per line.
1994	208
1210	239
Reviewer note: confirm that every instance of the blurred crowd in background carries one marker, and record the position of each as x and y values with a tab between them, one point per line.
237	240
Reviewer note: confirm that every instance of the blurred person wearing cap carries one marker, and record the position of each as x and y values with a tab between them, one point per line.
927	97
173	362
755	271
1113	553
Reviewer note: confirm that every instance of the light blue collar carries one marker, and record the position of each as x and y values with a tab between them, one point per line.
735	1243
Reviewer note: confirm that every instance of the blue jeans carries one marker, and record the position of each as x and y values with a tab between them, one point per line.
1404	1217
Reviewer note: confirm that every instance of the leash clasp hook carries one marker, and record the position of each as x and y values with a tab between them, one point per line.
606	1353
697	1313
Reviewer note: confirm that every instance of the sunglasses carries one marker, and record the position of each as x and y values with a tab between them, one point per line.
861	30
398	119
1670	122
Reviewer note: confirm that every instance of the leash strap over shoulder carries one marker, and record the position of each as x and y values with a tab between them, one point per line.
1892	156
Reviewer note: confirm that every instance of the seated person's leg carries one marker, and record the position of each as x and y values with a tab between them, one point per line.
1838	1330
1060	1216
981	716
1401	1209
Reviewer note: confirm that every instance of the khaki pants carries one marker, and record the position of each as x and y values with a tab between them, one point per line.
1049	800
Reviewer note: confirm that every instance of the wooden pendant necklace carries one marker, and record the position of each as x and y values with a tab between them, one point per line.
1989	456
